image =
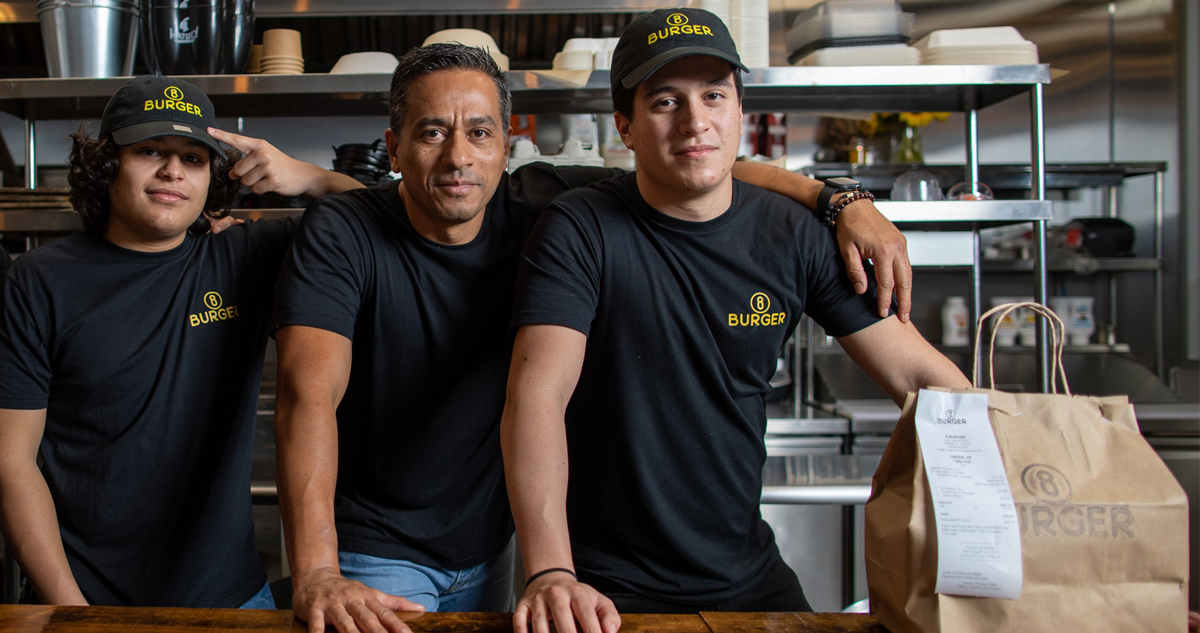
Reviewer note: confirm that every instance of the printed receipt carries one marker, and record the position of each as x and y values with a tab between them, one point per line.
979	540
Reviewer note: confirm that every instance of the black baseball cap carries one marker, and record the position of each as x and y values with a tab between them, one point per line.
653	39
149	106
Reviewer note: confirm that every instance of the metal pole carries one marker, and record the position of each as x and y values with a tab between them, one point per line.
30	154
972	175
847	555
1112	279
1037	186
976	306
1159	361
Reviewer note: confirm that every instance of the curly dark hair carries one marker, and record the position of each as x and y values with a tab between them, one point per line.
623	97
429	59
94	166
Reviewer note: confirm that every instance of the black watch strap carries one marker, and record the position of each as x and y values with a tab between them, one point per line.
834	186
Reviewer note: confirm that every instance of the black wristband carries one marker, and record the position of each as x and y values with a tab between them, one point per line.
831	188
550	571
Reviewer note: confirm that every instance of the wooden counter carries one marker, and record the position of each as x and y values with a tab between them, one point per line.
37	619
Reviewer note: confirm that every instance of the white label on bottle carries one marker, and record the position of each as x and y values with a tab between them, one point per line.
979	540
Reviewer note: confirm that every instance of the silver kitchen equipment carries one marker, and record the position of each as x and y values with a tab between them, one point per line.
89	38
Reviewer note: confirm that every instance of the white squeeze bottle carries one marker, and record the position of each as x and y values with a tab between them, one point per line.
954	322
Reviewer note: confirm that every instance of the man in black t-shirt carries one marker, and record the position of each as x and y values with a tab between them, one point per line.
392	315
649	311
130	361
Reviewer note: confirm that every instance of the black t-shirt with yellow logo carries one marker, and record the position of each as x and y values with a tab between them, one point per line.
420	476
684	322
149	367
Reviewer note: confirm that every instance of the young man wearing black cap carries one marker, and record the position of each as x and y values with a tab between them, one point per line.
392	318
130	360
650	309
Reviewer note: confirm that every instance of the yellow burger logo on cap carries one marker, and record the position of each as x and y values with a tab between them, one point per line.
678	23
174	101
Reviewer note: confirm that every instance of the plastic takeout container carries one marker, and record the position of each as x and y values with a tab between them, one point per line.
833	22
365	63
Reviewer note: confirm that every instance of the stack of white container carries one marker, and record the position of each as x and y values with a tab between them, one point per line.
852	33
988	45
586	53
574	152
749	24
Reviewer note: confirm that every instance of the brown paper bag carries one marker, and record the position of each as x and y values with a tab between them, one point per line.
1104	524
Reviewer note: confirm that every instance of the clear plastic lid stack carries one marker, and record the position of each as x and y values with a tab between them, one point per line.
842	23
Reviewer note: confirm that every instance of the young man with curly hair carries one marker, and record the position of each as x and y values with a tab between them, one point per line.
130	361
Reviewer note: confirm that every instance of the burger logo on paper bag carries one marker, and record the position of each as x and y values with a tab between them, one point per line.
1047	483
1052	515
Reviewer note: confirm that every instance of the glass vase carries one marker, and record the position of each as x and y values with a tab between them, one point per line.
907	147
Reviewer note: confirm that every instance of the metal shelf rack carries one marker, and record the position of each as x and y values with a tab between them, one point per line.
869	88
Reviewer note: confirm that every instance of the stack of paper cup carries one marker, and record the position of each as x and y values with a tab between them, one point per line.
750	25
254	63
281	54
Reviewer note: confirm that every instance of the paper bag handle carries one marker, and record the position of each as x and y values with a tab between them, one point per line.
1058	339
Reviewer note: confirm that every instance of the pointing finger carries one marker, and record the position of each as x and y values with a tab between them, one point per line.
243	144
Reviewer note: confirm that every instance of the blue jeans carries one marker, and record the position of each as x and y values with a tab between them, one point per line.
261	600
485	587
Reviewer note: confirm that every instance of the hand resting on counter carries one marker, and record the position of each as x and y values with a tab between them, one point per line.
325	597
558	597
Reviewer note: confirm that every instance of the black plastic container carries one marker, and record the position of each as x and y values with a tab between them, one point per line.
238	35
181	37
186	40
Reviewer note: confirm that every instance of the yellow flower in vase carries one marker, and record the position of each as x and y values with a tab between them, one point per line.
902	128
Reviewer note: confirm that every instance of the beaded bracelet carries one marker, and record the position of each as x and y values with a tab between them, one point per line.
550	571
845	201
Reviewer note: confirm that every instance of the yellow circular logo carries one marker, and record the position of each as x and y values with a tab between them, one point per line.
677	19
760	302
173	93
212	300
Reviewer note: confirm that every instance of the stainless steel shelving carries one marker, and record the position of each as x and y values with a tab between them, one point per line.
869	88
1098	265
26	10
909	88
